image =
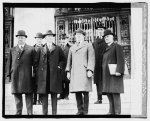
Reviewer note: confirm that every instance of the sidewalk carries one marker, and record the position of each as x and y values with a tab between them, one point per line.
68	107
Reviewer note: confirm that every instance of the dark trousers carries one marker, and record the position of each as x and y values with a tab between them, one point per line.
19	103
114	103
54	103
65	89
34	98
82	99
44	100
99	92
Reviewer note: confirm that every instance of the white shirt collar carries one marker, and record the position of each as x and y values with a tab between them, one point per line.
21	46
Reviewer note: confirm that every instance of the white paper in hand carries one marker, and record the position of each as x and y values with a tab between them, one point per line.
112	68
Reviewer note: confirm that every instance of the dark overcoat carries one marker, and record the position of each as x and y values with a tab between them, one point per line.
99	46
19	69
66	51
113	55
56	62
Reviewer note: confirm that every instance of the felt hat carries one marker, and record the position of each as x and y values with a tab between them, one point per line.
21	33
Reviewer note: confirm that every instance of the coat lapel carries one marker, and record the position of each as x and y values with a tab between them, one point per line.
52	48
80	46
18	50
24	49
109	47
44	50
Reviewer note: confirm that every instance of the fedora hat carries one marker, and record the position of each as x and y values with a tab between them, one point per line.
39	35
100	26
108	32
49	32
79	31
21	33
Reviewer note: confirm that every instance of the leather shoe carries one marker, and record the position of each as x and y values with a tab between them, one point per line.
79	113
59	98
67	98
98	102
18	114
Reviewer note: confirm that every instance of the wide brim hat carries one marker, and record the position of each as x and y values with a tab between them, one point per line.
108	32
21	33
49	32
39	35
79	31
100	26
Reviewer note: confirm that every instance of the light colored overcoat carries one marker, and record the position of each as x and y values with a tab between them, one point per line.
81	58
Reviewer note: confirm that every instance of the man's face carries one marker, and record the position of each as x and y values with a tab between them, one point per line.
49	38
63	42
39	41
101	31
79	37
109	39
21	40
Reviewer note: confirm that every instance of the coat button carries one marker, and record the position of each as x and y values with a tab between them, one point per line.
42	69
18	58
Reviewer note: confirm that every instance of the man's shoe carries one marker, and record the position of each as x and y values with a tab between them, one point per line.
110	113
59	98
85	113
117	113
79	113
98	102
38	102
30	113
67	98
18	114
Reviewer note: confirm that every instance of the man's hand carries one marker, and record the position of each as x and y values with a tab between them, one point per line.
68	75
118	74
89	74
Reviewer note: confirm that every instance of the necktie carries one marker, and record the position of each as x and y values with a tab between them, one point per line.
21	48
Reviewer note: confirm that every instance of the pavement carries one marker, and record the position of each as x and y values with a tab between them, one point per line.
68	107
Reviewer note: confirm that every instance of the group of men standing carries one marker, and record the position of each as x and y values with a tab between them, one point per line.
52	69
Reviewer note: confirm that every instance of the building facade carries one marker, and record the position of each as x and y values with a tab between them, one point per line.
67	20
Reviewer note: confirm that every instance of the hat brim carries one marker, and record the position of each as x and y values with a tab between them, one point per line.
38	37
79	32
48	34
109	34
22	35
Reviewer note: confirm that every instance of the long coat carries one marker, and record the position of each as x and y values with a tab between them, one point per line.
113	55
66	51
56	63
99	48
19	69
80	59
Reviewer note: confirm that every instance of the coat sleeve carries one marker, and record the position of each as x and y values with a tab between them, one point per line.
36	58
62	59
69	61
9	65
91	58
120	59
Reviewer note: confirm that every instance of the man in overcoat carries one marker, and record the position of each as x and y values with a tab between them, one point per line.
38	45
19	71
99	47
65	45
80	68
51	60
113	83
